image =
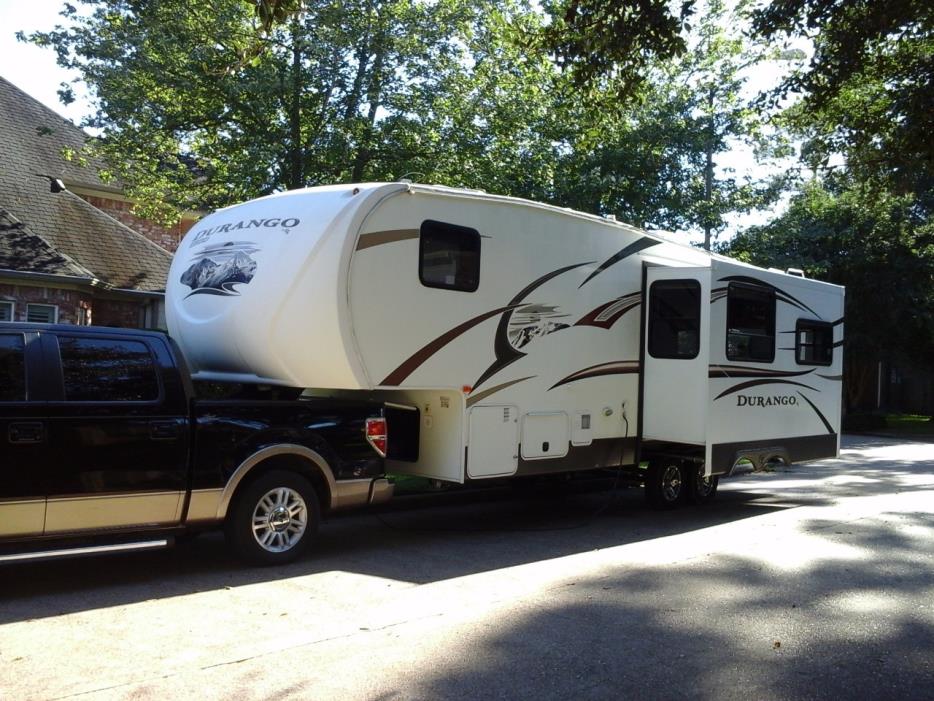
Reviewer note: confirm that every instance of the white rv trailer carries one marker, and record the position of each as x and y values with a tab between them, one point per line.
526	339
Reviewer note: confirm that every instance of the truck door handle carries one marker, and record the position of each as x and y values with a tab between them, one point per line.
26	432
163	430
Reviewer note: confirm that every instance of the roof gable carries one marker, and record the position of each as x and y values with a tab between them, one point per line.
60	233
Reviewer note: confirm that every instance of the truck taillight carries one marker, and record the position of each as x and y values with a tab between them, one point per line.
377	435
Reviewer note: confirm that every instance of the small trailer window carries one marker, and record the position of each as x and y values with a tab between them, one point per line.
6	311
674	319
813	342
750	323
449	256
12	368
107	370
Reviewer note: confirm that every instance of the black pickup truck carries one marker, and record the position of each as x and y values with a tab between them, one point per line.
105	446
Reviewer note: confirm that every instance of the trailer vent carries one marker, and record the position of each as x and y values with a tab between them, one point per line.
506	415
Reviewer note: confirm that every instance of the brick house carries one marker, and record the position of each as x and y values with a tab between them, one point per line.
70	250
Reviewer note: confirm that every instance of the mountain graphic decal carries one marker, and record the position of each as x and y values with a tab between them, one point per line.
218	270
533	321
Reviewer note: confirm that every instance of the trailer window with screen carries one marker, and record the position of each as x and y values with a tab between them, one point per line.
813	342
449	256
674	319
750	323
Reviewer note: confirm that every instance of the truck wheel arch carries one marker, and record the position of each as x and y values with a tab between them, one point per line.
312	465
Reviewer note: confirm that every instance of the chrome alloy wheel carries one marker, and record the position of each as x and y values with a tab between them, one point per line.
705	484
671	483
279	519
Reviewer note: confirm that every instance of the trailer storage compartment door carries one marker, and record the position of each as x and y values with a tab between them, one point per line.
676	354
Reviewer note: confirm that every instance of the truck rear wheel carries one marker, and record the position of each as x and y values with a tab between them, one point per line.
274	519
665	483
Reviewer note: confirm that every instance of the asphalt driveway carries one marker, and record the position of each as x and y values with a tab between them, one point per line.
813	582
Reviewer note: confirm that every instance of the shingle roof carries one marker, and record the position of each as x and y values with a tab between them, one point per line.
60	231
20	249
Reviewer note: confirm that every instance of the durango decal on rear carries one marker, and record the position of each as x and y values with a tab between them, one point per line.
776	400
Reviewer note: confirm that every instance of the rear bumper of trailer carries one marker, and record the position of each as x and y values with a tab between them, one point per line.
726	456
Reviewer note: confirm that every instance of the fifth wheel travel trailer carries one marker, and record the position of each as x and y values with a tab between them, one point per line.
513	338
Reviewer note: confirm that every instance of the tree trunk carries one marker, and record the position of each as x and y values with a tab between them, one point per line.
374	92
296	155
708	170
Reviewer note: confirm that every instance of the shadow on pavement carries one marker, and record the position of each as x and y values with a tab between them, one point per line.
839	627
487	531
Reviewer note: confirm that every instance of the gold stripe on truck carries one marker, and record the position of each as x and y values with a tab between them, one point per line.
26	517
112	511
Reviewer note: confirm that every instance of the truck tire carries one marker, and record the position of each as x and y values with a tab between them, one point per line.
273	519
700	489
665	485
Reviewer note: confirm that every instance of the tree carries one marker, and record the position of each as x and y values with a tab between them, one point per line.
880	246
204	104
869	87
606	39
660	159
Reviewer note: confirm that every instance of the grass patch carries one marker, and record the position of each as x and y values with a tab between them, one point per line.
909	424
409	484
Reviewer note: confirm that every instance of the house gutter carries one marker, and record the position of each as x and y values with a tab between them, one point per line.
75	280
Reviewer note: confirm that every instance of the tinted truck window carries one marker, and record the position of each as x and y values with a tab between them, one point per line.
107	370
12	368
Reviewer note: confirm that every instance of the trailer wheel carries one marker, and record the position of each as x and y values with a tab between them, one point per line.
665	485
701	489
274	519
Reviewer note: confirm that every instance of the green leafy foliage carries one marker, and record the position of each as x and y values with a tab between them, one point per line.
661	159
203	104
599	40
868	90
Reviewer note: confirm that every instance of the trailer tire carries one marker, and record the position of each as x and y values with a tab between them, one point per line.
665	484
700	489
273	519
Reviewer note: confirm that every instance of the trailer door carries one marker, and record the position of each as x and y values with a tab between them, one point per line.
676	352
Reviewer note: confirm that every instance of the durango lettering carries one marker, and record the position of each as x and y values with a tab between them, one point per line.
269	223
774	400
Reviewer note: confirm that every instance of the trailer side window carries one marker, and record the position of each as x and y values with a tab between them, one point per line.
107	370
449	256
750	323
813	342
12	368
674	319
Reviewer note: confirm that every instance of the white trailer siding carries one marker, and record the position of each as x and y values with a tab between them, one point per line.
541	368
784	403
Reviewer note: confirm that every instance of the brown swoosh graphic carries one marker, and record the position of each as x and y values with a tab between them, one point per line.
502	348
616	367
610	312
716	371
480	396
378	238
756	383
819	414
398	375
636	246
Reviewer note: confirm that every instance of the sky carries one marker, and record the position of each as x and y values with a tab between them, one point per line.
35	71
30	68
